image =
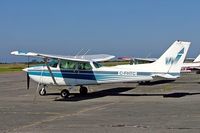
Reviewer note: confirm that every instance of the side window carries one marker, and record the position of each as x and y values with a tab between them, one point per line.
84	66
72	65
65	64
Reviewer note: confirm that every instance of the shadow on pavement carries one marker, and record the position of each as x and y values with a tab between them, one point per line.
119	92
97	94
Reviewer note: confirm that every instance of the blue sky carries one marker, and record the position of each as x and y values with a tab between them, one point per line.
119	27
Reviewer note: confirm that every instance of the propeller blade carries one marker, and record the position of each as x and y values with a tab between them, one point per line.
28	81
28	77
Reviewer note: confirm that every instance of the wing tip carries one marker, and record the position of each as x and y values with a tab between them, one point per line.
14	52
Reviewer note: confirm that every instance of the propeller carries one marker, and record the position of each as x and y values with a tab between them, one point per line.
28	82
27	76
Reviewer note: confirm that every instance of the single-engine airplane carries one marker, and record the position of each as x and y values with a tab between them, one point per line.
84	70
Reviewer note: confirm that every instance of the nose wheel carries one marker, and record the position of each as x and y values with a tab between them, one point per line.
42	91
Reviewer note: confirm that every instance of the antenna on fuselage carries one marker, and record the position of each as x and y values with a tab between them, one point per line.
149	55
78	53
85	53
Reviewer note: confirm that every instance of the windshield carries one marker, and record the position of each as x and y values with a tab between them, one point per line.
53	63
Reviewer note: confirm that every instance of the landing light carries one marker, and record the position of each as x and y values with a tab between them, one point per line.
25	69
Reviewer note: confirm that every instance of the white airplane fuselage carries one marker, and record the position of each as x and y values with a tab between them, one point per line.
121	73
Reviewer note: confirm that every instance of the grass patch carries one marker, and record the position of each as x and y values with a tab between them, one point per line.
11	67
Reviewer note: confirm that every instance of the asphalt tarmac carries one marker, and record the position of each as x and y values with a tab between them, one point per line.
159	107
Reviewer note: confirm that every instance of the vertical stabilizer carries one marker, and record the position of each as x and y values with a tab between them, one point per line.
172	60
197	59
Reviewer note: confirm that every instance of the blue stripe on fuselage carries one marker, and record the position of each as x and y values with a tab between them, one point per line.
64	74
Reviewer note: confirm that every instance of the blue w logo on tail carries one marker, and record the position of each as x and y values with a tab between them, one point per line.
171	60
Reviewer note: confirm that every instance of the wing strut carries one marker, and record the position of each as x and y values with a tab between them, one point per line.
53	78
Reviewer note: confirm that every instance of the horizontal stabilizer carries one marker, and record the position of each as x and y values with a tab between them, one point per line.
167	76
150	60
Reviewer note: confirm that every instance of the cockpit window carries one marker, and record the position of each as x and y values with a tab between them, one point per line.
97	65
53	63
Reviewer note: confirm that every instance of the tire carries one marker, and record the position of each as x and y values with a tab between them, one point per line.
83	90
141	82
64	93
42	92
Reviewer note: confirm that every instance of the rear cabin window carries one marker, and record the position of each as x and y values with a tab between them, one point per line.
84	66
97	65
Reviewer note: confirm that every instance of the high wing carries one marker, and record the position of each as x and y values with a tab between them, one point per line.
97	57
149	60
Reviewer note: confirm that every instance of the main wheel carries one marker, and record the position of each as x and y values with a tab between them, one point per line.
83	90
42	91
64	93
